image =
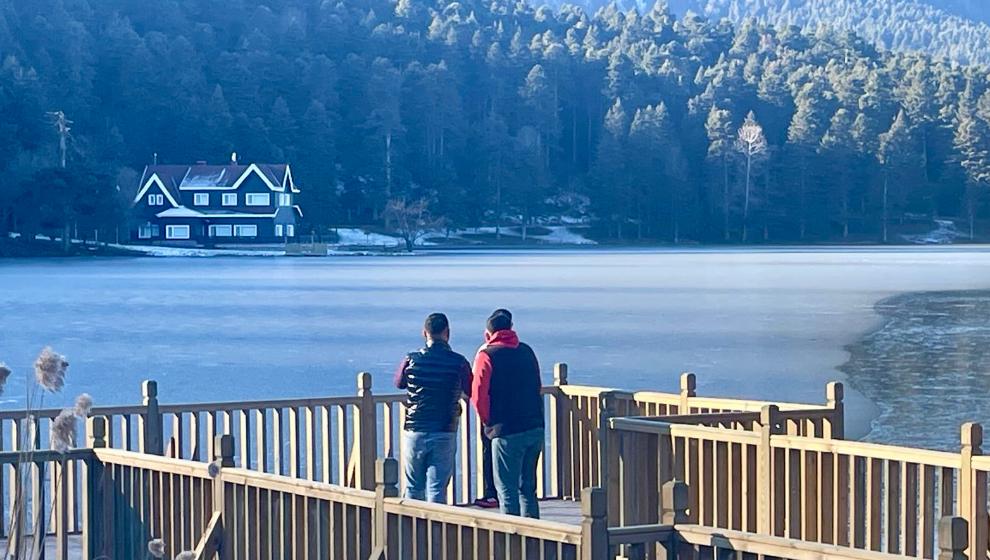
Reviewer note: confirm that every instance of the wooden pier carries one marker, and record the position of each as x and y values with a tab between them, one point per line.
634	475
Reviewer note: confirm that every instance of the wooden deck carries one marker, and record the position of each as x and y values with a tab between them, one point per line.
645	474
567	512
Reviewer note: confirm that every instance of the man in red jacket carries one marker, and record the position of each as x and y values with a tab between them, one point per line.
506	393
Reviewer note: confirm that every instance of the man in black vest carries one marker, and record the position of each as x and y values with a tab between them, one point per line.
506	394
434	379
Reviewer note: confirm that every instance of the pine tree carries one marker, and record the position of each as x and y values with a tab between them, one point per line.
654	141
893	147
803	137
610	169
972	144
384	120
721	137
837	148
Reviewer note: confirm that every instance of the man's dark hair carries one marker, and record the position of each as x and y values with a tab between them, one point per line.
499	320
436	323
501	311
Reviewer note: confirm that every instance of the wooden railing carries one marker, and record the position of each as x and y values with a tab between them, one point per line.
849	494
318	478
218	511
245	514
335	440
39	500
675	537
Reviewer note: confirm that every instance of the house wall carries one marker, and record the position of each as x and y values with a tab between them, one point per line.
145	214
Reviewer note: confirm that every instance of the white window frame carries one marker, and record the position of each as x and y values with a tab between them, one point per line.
228	197
156	200
201	199
171	232
285	199
227	228
278	230
239	230
252	199
146	231
290	230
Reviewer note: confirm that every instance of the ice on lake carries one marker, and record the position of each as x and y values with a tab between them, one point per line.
768	324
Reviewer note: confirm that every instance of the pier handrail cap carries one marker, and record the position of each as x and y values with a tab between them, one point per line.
149	388
972	435
835	392
689	381
363	381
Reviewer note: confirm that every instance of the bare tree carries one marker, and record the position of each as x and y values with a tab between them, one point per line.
411	219
752	144
63	127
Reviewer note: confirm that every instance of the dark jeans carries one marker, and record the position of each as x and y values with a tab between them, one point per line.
487	473
516	457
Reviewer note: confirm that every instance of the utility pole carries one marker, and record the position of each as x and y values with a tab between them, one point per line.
62	126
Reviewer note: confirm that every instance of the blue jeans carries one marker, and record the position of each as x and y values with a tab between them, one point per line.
427	464
516	457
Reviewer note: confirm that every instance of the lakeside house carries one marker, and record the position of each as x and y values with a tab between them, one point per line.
210	204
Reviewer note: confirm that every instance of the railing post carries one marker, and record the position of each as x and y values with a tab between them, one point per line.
151	420
97	505
674	503
386	486
836	427
973	489
608	454
97	430
367	436
594	526
223	450
953	538
560	436
769	425
688	386
223	502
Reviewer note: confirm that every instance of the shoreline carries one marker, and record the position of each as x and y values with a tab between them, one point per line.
112	250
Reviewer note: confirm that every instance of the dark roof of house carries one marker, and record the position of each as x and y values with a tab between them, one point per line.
200	175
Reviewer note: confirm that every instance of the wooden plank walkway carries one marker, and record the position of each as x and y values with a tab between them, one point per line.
559	511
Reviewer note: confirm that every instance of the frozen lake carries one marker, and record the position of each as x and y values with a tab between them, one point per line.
772	324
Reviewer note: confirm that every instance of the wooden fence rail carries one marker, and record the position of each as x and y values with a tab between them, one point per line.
677	539
244	514
335	440
864	496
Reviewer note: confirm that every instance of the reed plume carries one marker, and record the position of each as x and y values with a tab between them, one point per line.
4	374
156	548
63	431
84	405
50	369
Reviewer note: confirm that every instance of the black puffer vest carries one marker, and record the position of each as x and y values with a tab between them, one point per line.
433	379
516	403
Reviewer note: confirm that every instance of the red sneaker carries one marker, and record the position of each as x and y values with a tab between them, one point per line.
486	503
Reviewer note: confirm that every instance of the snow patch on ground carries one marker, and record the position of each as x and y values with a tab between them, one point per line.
158	251
945	233
356	236
559	235
565	236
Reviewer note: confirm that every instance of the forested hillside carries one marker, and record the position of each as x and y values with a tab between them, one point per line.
652	127
956	29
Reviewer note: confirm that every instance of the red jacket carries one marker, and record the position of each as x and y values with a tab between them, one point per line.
506	385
